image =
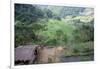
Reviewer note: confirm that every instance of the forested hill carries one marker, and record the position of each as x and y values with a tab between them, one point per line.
30	13
39	24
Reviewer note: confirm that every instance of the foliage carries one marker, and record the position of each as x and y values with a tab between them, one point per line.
56	32
72	27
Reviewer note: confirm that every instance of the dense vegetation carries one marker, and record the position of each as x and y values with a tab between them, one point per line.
72	27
